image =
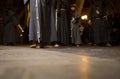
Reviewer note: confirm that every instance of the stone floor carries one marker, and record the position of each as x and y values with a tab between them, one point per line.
85	62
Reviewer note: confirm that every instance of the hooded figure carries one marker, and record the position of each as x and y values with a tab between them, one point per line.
63	27
10	27
99	22
75	27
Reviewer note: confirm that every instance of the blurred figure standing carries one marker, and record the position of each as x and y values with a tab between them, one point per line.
10	27
99	22
63	27
75	26
34	26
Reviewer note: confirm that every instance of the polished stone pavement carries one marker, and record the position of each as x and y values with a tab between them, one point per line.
22	62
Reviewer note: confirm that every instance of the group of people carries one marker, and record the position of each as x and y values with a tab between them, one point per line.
57	22
50	23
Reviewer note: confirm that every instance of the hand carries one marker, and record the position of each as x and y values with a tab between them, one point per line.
20	28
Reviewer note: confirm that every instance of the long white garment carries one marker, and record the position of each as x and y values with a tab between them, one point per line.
37	20
33	27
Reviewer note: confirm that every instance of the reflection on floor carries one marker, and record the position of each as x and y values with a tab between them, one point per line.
22	62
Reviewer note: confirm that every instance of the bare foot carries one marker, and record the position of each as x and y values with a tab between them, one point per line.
33	46
108	45
56	45
37	46
77	45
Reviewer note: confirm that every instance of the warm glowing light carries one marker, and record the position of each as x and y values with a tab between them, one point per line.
84	17
21	35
